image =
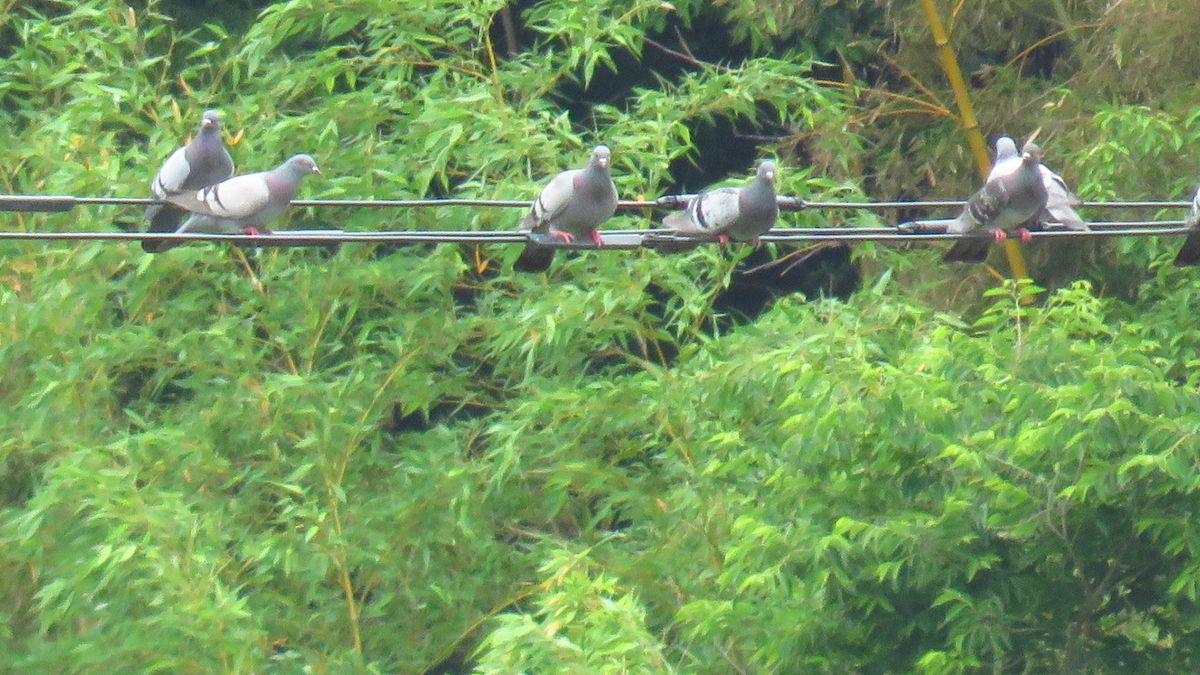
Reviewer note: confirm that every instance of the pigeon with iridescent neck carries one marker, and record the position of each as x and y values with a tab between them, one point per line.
573	204
1012	195
204	161
244	203
732	213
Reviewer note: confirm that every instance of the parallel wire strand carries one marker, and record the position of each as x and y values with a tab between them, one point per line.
613	239
925	230
52	203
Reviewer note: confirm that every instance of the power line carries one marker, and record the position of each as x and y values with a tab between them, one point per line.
933	204
59	203
613	239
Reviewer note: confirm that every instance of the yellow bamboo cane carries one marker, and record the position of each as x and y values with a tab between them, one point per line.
966	116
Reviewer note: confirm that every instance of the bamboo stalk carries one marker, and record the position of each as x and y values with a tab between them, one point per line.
966	116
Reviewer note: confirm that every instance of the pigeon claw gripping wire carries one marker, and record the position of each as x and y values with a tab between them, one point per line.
1025	235
999	235
566	240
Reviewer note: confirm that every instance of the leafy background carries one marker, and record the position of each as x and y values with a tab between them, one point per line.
400	459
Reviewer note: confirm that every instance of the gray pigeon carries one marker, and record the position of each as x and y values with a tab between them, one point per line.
244	203
1006	148
1189	254
1060	201
201	163
1012	195
573	204
740	214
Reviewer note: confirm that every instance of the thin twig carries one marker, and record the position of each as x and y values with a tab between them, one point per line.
889	95
1050	38
687	58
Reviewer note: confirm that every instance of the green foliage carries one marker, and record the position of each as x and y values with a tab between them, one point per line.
578	626
410	459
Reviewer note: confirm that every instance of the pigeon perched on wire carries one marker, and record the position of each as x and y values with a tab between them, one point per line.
204	161
731	213
244	203
1189	254
573	204
1012	195
1060	200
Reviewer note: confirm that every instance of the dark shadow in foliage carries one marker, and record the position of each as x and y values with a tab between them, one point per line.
662	352
826	272
459	661
719	154
708	39
235	16
135	388
20	474
443	412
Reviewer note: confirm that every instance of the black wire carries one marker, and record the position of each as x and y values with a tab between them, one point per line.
613	239
56	203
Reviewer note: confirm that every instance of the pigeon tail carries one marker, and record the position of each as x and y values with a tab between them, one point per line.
1189	255
534	258
970	250
166	219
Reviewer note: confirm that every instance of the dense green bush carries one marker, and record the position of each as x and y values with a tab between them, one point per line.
407	459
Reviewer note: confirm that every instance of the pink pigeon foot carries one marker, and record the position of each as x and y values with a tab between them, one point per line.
723	238
597	240
1025	235
255	232
999	235
565	236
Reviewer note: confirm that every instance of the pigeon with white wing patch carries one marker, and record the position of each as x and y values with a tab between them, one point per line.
244	203
731	213
204	161
573	204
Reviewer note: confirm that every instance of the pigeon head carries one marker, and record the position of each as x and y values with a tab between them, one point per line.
1034	150
600	157
301	165
1005	148
766	170
211	119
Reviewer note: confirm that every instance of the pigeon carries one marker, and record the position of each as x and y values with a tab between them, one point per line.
729	213
1006	149
1189	254
1060	201
244	203
573	204
202	162
1012	195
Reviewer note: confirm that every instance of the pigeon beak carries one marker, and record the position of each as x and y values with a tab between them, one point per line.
316	170
206	123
